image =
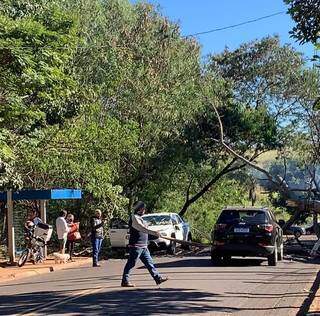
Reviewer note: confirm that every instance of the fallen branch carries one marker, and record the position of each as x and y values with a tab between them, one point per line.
184	242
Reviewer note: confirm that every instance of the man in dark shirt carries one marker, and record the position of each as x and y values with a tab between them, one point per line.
96	236
138	247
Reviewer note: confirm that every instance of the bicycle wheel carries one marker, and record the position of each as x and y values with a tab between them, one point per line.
24	257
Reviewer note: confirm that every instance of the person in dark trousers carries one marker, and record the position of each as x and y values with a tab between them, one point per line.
138	247
96	236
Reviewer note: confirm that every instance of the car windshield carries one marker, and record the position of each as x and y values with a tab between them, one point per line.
158	219
234	216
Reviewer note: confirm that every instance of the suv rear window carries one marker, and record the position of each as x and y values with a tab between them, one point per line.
234	216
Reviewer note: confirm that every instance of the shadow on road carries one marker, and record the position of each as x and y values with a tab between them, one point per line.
118	302
206	262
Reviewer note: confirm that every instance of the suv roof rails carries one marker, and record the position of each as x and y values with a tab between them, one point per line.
246	208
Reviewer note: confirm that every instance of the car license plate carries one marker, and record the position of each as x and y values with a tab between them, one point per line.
241	230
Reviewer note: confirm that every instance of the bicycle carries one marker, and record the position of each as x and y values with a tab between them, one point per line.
34	249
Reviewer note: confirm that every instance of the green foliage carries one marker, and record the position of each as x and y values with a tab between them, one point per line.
306	14
108	97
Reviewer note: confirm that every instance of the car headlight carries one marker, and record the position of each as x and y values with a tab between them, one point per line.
163	234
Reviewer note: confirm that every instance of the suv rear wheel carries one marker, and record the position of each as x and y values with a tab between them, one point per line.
273	258
216	258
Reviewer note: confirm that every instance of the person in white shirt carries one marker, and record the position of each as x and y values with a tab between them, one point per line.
62	230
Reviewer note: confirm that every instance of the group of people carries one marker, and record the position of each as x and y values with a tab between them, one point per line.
68	234
67	230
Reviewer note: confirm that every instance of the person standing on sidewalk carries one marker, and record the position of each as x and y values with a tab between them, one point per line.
96	236
73	235
62	230
138	247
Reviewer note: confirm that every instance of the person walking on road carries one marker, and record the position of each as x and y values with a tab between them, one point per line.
96	236
138	247
62	230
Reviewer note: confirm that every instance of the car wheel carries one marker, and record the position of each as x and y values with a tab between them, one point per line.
273	258
297	234
172	248
187	247
280	253
226	259
216	258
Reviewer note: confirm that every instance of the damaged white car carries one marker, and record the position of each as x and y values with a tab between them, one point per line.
169	224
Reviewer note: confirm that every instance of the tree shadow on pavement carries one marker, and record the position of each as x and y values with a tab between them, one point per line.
117	302
197	262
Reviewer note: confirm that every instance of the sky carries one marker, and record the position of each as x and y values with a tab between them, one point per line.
201	15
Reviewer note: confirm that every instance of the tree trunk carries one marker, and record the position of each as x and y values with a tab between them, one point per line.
208	186
292	219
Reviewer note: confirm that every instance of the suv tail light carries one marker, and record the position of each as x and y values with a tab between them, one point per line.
218	243
220	226
266	227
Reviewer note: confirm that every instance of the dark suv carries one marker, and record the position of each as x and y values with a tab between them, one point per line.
243	231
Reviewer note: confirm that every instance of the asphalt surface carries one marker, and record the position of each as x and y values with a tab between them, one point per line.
245	287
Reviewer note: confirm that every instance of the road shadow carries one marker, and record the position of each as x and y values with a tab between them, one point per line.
118	302
197	262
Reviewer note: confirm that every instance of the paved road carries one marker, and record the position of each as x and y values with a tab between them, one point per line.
246	287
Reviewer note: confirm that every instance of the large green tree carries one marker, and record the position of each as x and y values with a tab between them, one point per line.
306	14
36	86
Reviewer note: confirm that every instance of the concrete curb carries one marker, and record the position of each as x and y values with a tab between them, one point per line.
20	273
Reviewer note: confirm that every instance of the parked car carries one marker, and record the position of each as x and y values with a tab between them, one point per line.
243	231
170	224
119	233
295	230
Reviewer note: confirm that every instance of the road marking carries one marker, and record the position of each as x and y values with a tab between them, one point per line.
60	301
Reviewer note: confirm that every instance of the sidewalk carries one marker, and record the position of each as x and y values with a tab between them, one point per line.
9	273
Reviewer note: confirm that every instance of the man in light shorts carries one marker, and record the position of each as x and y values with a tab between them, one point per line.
62	230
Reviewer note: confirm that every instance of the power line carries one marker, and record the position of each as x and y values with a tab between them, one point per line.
236	25
106	46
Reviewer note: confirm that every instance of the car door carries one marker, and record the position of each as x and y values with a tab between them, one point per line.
177	223
118	233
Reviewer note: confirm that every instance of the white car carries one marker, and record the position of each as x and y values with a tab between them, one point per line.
169	224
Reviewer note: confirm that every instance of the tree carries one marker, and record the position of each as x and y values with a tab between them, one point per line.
260	85
307	17
36	87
